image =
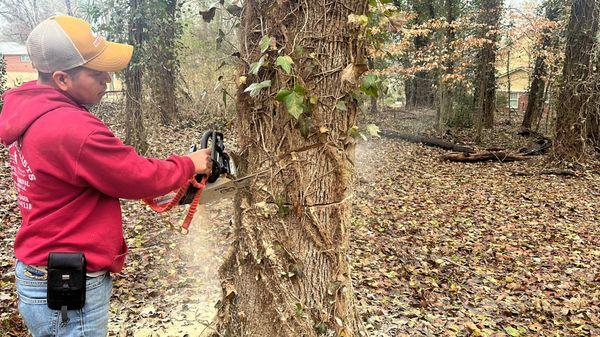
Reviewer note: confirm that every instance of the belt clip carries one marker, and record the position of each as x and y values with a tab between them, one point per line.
64	317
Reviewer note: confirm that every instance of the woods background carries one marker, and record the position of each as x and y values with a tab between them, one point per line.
370	222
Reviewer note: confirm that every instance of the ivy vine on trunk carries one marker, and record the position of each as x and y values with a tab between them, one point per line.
287	272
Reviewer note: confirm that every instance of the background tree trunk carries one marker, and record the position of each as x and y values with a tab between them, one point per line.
508	84
486	94
420	90
535	103
373	111
571	132
134	125
69	7
287	273
593	105
163	62
446	92
3	77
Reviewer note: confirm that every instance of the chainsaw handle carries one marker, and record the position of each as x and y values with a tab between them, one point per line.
216	139
204	140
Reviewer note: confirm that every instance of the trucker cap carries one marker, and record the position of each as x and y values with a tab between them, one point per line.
63	42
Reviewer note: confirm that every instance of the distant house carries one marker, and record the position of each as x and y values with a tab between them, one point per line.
514	66
18	64
519	87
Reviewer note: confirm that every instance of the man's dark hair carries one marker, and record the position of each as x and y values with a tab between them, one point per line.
47	77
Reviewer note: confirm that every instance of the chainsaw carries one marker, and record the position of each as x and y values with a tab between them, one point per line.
221	163
203	188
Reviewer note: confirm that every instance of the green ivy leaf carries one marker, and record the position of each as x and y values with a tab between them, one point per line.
234	10
373	130
282	93
285	62
208	14
255	88
300	89
255	67
370	85
354	133
282	209
341	105
293	100
298	309
220	38
264	43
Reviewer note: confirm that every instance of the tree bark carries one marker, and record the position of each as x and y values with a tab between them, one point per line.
135	134
571	132
490	16
287	272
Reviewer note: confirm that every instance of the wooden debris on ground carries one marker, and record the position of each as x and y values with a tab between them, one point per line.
501	156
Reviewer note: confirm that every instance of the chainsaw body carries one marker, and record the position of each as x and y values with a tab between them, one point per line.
221	162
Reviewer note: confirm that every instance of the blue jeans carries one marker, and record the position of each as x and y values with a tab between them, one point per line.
90	321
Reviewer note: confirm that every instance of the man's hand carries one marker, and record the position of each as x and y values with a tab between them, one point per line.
202	161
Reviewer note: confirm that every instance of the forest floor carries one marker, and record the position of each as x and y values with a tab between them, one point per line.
437	248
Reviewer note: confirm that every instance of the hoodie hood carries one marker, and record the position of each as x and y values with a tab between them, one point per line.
25	104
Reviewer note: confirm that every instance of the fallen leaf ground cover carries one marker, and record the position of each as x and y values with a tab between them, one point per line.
452	249
437	248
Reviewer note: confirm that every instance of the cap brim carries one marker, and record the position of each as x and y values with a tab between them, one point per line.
115	57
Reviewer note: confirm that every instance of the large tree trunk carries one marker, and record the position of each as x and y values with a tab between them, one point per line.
135	134
287	272
535	103
490	16
571	129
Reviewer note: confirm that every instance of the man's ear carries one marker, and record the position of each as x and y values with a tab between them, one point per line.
62	80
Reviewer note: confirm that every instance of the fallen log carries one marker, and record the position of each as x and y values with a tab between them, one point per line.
540	147
555	172
500	156
427	141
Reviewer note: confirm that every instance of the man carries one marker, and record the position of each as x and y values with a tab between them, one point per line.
70	171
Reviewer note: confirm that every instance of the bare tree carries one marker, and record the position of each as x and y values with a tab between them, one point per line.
21	16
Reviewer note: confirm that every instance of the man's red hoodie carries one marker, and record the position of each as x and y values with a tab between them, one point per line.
69	172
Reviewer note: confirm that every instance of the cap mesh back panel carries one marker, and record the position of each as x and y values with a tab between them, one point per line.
51	50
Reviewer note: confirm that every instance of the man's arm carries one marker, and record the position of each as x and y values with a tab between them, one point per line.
115	169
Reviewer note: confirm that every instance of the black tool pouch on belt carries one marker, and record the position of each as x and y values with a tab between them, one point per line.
66	281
